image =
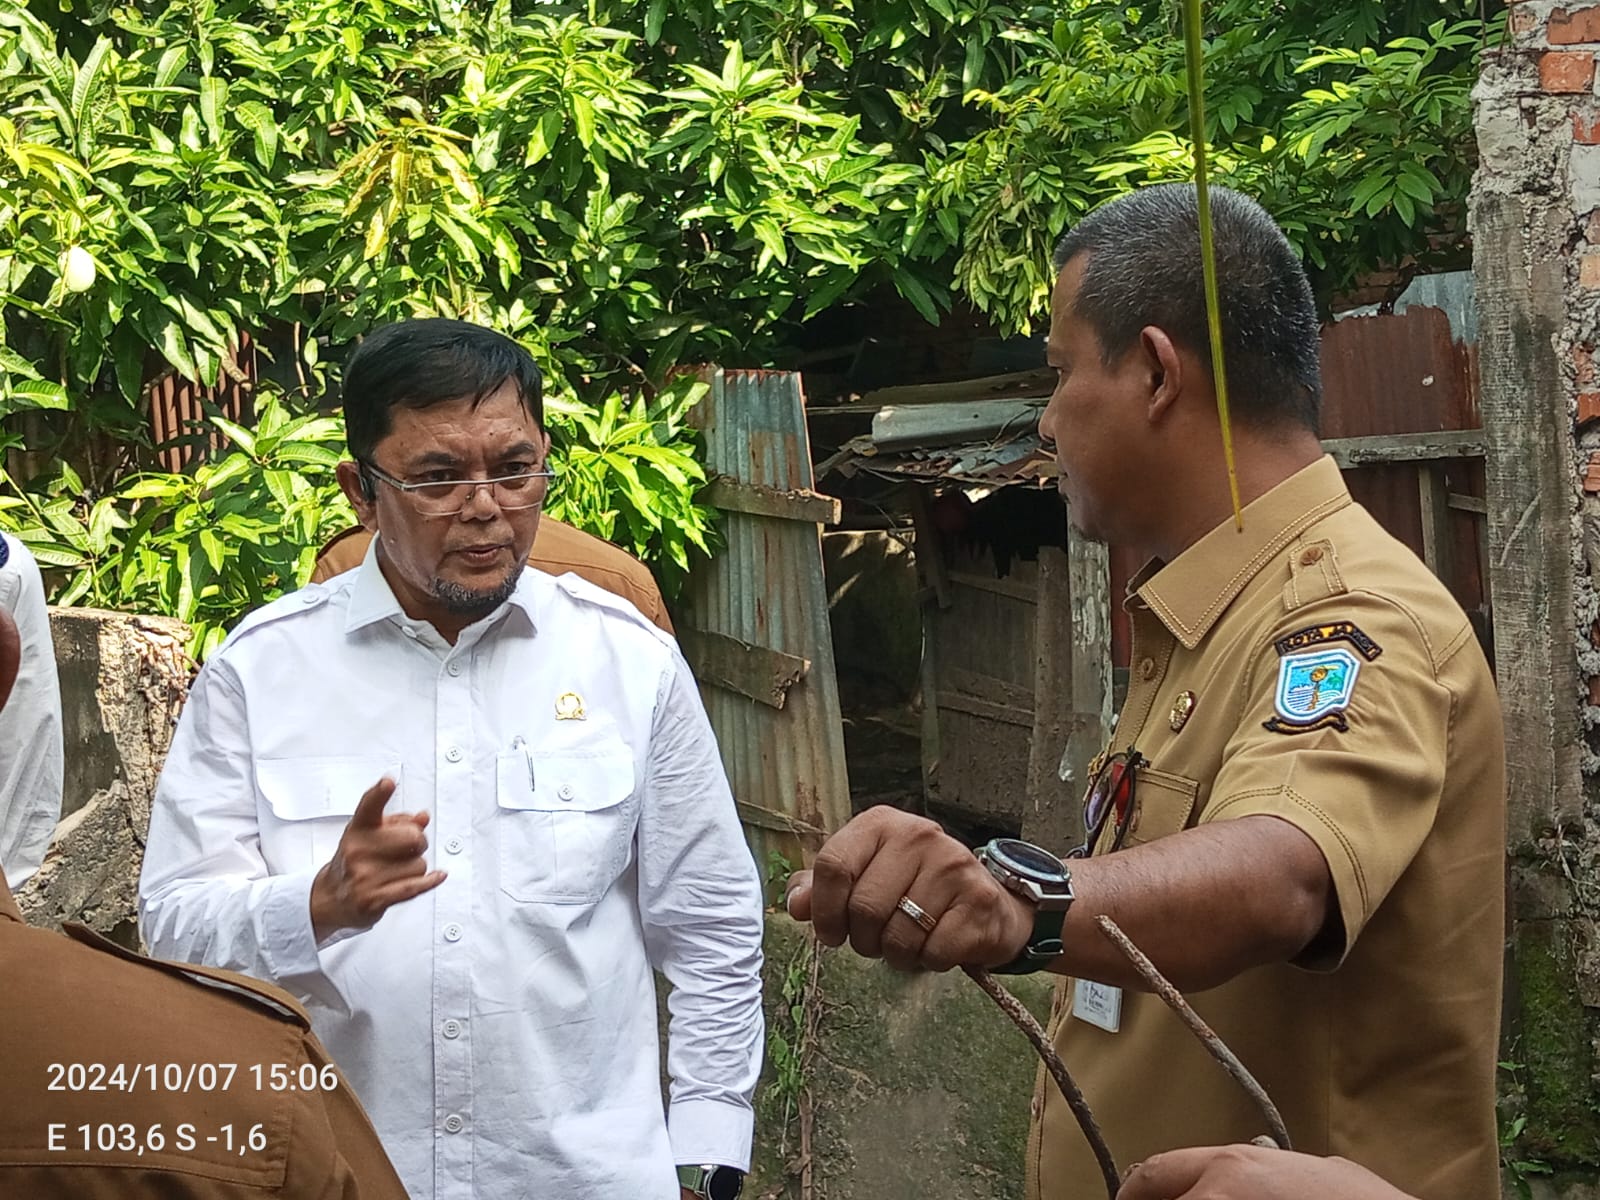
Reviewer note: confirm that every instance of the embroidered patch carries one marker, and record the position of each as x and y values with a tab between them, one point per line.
569	707
1314	689
1333	631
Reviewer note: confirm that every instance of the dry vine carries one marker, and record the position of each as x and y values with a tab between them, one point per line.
1158	983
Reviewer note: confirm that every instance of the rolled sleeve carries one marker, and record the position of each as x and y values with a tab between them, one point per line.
700	906
1367	795
205	893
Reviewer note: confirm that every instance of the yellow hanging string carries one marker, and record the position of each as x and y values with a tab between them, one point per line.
1208	257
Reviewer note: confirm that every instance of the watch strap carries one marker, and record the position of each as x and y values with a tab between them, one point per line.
1043	948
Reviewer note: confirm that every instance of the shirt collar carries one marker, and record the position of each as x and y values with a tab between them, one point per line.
1191	592
8	905
373	600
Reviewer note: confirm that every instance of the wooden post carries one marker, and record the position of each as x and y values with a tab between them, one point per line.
1529	472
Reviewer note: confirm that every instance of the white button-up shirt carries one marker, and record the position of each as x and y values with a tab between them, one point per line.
500	1029
30	725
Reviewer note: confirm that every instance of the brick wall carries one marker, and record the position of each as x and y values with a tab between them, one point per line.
1535	217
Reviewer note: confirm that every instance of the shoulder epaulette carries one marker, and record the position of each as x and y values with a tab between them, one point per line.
581	590
265	996
307	599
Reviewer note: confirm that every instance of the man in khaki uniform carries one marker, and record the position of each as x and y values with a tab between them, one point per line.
126	1077
1301	819
557	549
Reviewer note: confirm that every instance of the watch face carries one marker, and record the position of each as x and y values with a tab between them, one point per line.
724	1183
1029	860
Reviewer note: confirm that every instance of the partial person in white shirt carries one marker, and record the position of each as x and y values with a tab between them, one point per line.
462	809
30	726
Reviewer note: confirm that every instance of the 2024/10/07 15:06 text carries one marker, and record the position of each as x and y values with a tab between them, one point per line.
187	1077
127	1138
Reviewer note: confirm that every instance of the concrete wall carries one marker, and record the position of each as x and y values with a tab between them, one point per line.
1535	214
123	681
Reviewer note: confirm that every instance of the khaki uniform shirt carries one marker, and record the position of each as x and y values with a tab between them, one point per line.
1312	668
557	549
127	1077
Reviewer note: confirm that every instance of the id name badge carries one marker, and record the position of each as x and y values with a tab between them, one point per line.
1097	1004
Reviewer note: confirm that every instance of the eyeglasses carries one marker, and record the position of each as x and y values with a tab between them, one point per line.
1110	792
447	497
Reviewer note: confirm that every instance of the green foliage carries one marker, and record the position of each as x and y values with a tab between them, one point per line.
1363	152
204	546
628	187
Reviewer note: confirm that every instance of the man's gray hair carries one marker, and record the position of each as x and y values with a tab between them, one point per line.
1142	267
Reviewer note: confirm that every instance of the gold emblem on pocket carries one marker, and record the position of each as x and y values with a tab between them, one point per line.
569	707
1181	708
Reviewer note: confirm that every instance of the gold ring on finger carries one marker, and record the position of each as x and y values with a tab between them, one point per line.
917	913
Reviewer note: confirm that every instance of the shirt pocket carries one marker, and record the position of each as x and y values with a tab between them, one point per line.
1163	804
309	801
565	826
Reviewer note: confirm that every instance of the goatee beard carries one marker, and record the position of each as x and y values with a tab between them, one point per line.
473	602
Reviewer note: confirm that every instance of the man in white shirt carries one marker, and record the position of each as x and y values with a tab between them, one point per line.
462	809
30	726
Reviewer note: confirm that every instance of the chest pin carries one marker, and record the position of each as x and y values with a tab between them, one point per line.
1182	707
569	707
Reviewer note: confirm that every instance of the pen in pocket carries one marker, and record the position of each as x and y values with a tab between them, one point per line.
521	743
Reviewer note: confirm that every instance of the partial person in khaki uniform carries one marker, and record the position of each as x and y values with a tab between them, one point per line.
557	549
127	1077
1301	813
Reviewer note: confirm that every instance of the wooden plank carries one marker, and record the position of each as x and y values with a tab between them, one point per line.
794	504
756	672
1038	382
1000	587
1406	447
973	707
987	687
1049	816
1437	544
1471	504
1091	674
930	561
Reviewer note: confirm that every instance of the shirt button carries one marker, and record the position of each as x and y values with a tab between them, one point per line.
454	1124
453	845
408	631
452	932
1311	557
452	1028
454	668
453	754
1147	668
565	791
1035	1107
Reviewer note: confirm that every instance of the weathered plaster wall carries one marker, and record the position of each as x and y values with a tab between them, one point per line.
1535	213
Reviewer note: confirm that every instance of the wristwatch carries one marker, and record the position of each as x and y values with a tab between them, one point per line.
1041	879
711	1182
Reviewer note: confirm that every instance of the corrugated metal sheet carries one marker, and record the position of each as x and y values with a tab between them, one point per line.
766	589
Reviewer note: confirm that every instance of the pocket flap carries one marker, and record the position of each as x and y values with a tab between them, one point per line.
565	781
305	789
1165	802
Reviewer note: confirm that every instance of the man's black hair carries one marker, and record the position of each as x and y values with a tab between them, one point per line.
1141	266
420	363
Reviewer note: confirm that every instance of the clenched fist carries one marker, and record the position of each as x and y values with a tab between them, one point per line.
378	864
